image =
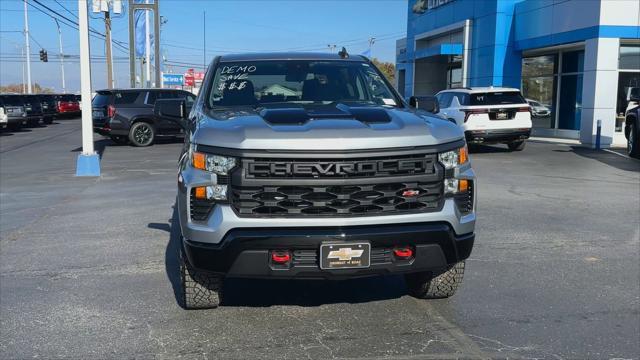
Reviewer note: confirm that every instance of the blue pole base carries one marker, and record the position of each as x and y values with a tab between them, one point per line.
88	165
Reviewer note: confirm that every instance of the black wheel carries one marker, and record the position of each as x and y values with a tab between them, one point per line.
200	289
142	134
426	286
633	148
48	120
119	139
516	145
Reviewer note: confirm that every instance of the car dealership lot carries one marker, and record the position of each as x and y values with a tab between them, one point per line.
88	266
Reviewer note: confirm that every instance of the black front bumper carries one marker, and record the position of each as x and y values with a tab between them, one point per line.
245	252
497	136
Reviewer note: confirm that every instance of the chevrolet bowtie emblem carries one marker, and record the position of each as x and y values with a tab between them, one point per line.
344	254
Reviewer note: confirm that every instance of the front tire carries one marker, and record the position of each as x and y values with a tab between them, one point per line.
425	286
200	289
633	148
142	134
48	120
516	145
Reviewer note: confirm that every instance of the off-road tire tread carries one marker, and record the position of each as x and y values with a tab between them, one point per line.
200	289
423	286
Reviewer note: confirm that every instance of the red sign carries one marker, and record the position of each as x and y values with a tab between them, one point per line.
198	75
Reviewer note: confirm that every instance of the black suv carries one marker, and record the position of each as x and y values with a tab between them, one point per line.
632	130
48	105
127	114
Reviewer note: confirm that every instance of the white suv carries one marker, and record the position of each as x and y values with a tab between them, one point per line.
488	115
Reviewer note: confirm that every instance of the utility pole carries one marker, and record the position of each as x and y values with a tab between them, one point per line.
204	39
24	84
26	40
64	88
88	161
147	47
107	31
372	40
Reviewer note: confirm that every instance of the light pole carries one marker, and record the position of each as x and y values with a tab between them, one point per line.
64	88
26	40
88	161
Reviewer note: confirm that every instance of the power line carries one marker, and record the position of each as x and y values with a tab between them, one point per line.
75	24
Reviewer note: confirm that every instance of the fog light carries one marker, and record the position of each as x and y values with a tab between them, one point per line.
280	257
403	253
450	186
217	192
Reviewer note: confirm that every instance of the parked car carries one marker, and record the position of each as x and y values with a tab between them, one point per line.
12	114
328	174
127	114
33	108
632	128
48	105
67	105
633	98
488	115
537	109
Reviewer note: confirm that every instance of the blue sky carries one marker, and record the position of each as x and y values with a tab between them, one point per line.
232	26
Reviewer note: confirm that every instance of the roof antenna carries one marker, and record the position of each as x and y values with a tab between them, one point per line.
343	53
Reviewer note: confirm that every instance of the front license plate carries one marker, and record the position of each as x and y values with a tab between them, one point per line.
345	256
97	114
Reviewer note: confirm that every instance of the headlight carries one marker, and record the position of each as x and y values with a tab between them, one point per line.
217	164
453	158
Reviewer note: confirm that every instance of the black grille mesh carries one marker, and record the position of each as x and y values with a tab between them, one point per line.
337	200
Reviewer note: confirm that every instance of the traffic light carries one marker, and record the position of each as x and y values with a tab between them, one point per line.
43	55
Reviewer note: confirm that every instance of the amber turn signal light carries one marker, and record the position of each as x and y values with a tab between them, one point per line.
463	156
463	185
199	160
201	193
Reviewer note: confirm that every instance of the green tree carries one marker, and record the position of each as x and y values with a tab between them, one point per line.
387	68
17	88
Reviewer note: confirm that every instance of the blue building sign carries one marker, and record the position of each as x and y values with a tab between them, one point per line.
572	57
172	79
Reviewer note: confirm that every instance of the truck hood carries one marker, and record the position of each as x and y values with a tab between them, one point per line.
336	127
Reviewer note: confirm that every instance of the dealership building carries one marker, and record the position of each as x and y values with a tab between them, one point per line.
579	58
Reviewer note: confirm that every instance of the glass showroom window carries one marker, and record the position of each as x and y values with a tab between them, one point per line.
628	79
570	107
539	77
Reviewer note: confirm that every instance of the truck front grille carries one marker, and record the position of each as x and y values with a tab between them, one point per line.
337	200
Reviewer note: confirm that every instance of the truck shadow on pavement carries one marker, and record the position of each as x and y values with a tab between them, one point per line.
264	293
607	158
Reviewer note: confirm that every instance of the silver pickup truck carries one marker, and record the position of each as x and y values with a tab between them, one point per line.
312	166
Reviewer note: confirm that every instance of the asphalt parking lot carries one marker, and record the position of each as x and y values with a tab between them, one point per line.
88	267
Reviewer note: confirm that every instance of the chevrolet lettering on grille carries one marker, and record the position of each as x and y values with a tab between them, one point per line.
328	169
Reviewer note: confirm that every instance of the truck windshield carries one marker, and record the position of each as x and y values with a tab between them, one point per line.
259	83
496	98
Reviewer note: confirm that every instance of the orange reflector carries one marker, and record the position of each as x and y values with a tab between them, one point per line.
463	185
201	193
199	161
463	156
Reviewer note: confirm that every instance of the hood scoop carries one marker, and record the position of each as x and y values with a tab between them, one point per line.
300	116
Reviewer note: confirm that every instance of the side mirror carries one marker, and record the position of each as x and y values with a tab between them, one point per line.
634	97
174	110
426	103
